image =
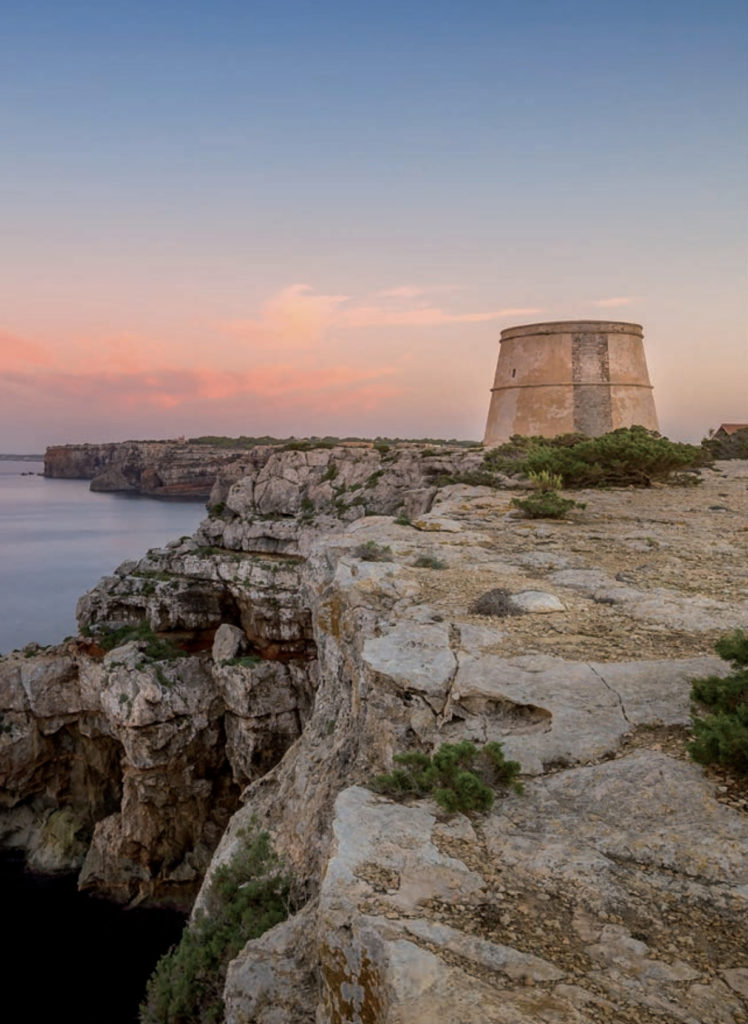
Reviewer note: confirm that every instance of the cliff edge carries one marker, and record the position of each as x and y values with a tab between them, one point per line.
321	620
156	469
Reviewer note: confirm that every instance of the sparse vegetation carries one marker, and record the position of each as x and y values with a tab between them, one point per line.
308	444
496	602
307	510
429	562
156	648
720	709
459	776
246	897
246	661
370	551
403	519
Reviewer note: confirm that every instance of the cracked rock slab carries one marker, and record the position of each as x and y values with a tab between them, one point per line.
414	659
547	710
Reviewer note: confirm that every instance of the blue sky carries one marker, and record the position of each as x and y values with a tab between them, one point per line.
170	168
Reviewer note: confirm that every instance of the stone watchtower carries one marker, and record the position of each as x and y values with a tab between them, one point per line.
575	376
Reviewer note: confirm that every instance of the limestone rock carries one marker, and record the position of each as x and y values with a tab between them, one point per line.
536	602
228	642
614	889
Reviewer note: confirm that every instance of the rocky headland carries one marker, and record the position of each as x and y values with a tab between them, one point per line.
156	469
259	673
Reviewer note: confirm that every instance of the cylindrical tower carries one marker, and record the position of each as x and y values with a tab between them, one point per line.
575	376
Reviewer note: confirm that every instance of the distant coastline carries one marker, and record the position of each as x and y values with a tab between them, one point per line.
21	458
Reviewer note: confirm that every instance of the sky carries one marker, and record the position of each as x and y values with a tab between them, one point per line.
309	218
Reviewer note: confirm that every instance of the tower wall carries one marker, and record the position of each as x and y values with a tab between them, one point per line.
580	376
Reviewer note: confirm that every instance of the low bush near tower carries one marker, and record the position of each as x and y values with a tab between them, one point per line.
459	776
628	456
545	503
720	709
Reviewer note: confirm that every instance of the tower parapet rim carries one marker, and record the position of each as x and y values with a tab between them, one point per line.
574	327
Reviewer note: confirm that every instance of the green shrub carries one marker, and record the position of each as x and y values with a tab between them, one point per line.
546	505
720	709
459	776
727	446
630	455
471	478
429	562
370	551
246	897
403	519
307	510
156	648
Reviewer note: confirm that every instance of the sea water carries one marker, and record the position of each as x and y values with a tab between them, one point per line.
58	538
71	958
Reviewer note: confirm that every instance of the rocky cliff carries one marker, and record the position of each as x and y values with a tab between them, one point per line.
266	668
158	469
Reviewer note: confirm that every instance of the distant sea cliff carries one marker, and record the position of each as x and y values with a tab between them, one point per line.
158	469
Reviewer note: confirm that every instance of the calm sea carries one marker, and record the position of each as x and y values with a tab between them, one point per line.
57	539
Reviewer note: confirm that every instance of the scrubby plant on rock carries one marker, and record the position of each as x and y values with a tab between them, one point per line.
459	776
496	602
246	897
370	551
627	456
546	505
429	562
155	647
720	709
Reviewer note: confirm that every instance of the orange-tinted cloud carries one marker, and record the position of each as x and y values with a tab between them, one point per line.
19	352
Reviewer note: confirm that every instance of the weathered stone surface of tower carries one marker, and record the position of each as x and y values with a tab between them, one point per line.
581	376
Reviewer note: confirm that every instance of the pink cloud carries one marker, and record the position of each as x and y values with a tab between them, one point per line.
429	316
296	315
18	352
620	300
298	358
411	291
405	291
302	318
166	389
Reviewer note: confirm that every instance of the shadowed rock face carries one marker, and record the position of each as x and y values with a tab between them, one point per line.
613	890
128	763
162	469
